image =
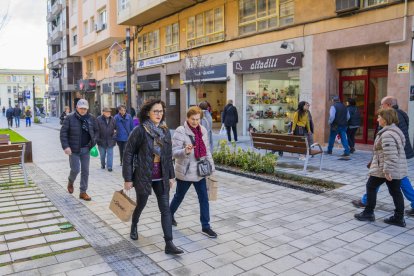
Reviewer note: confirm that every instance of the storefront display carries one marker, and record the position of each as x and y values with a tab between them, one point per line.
271	100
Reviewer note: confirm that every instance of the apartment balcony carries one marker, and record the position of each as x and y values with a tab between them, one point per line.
56	56
144	12
119	66
49	17
57	8
56	35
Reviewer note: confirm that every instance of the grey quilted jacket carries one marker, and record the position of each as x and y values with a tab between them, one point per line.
179	140
389	154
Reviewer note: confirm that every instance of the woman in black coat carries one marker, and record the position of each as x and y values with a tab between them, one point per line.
147	163
230	119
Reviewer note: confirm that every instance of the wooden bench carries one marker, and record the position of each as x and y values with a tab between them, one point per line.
13	155
287	143
4	139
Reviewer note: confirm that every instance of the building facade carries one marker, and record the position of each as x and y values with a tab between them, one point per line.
99	41
17	87
269	55
65	70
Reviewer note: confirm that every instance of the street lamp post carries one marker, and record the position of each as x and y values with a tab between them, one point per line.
128	69
34	95
60	110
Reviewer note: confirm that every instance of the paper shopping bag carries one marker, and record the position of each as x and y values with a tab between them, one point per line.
222	130
122	206
212	186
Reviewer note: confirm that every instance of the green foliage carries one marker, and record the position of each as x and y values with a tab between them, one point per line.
246	160
37	120
14	136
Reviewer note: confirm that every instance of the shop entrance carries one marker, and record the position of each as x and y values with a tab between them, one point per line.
367	87
173	108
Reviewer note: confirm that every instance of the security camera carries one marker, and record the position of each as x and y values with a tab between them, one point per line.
284	45
231	53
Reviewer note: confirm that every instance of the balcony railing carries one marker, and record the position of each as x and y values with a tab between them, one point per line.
56	8
56	56
119	66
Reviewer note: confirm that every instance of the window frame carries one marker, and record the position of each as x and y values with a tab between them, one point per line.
364	3
172	46
256	20
145	49
195	38
74	37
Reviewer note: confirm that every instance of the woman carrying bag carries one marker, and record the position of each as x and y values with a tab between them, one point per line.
301	122
191	150
149	149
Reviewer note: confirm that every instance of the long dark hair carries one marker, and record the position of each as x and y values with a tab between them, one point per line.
146	107
301	109
351	102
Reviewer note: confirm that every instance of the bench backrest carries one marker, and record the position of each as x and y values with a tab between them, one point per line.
280	142
4	139
11	154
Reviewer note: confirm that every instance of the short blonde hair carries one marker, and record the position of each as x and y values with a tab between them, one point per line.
389	115
194	110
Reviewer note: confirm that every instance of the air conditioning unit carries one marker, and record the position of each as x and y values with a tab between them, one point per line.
346	5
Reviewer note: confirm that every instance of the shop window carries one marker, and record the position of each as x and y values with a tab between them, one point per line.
261	15
149	44
271	100
206	27
172	38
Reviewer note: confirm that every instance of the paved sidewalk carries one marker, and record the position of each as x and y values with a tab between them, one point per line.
263	229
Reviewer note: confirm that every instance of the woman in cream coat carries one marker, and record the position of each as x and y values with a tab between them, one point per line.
186	152
388	165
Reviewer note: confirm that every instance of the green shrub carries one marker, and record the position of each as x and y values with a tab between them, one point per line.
246	160
37	120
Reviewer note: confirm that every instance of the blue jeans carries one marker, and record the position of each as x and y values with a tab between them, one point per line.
109	154
406	188
17	121
201	189
28	121
342	132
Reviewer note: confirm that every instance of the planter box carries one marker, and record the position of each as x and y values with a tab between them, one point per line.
28	155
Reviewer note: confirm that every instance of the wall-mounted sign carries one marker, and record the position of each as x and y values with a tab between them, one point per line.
149	86
119	86
158	60
403	67
207	73
271	63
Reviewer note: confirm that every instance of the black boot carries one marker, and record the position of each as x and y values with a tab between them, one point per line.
364	216
394	220
134	232
170	248
173	222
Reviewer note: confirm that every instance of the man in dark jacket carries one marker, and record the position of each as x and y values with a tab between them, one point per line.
77	137
17	112
105	137
230	119
9	116
124	126
338	121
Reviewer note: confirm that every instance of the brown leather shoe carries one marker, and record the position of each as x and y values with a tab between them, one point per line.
70	187
85	196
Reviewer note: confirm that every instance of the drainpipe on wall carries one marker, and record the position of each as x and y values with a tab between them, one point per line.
404	26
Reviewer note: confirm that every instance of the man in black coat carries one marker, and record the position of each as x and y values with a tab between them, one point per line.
105	137
17	112
9	116
77	137
230	119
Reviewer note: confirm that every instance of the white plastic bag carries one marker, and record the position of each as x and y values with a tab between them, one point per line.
222	130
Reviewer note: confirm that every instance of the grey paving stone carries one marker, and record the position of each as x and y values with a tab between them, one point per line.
229	269
308	254
62	236
33	264
347	267
253	261
194	257
338	255
30	252
11	220
21	234
170	264
49	229
61	267
368	257
5	270
191	269
223	259
280	251
381	269
400	259
314	266
225	247
407	272
259	271
283	264
5	258
68	245
252	249
90	270
14	227
26	243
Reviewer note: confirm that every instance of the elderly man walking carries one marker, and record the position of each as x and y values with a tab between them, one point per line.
338	121
77	137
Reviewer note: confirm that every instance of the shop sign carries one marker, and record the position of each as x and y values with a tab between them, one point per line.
119	87
206	73
403	68
87	85
149	86
271	63
158	60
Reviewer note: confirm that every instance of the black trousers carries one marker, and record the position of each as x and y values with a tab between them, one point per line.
163	205
234	128
394	189
350	133
121	145
10	122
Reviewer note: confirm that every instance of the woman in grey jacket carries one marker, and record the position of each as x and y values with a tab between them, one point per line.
190	143
388	165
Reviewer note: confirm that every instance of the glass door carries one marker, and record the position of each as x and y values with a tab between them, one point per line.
355	87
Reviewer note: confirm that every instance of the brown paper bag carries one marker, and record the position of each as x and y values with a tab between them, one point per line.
122	206
212	186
